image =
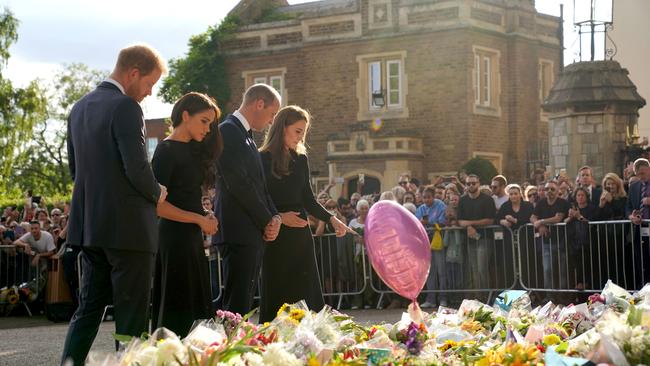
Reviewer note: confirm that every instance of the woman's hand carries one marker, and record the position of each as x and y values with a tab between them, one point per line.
209	224
293	219
340	228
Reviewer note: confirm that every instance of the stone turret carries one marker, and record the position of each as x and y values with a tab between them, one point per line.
591	108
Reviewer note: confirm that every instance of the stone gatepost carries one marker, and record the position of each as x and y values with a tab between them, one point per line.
591	109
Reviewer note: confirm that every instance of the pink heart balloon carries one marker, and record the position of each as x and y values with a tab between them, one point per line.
398	248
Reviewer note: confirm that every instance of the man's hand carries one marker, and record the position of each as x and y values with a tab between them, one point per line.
163	193
272	229
293	219
209	225
471	232
646	201
635	217
35	260
543	230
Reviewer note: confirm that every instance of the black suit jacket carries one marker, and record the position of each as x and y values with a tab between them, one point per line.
242	204
596	192
115	193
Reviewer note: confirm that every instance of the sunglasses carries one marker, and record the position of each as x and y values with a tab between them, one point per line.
550	189
472	183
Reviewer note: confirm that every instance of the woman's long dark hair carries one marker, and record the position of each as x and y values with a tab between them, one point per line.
274	139
211	147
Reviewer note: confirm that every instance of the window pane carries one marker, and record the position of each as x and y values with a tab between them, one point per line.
276	83
476	80
152	142
394	83
259	80
374	81
486	80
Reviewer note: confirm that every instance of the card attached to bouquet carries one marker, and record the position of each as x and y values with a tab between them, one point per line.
645	231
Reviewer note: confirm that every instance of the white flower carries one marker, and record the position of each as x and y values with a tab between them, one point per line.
146	356
304	343
169	350
253	359
276	355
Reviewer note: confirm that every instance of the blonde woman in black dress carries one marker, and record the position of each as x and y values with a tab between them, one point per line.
289	271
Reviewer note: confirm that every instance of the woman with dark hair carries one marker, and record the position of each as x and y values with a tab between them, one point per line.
580	247
185	163
289	271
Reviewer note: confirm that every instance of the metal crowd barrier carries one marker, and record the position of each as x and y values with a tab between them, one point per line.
20	281
573	259
581	256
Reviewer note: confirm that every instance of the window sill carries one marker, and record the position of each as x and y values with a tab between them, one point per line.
383	113
487	111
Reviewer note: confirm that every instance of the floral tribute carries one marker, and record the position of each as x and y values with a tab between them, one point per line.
611	328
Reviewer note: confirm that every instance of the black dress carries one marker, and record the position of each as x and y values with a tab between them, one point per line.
181	283
289	272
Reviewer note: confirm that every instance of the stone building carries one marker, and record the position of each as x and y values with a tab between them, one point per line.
418	86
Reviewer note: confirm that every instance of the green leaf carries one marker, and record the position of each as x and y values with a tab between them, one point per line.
122	338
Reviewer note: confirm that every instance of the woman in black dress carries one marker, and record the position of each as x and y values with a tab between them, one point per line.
289	272
184	163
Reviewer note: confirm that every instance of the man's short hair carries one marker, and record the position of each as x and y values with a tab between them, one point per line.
142	57
343	201
501	179
586	167
638	163
35	222
261	91
472	176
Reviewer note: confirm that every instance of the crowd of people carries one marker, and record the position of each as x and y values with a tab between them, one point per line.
466	214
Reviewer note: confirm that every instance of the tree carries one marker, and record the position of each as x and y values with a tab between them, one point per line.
203	68
43	166
481	167
20	108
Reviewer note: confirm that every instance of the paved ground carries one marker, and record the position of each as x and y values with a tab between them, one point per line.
37	341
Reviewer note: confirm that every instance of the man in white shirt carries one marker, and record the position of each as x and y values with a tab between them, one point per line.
36	242
498	188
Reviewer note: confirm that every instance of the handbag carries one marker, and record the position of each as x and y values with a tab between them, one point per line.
436	241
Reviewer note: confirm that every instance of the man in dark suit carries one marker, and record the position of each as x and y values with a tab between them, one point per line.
637	209
587	181
243	205
113	208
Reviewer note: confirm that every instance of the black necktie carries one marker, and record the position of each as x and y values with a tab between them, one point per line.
250	133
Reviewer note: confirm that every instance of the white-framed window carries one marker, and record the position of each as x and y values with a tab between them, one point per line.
271	77
152	143
483	77
382	85
385	78
485	80
545	78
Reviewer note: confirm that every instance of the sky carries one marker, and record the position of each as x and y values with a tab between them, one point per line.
56	32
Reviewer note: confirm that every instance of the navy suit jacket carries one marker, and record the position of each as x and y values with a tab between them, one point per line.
633	198
243	204
115	193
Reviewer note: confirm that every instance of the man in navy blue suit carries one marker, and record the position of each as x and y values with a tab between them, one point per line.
637	209
246	213
113	207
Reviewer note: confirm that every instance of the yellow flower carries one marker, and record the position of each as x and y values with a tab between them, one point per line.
266	324
471	326
297	314
282	308
447	345
312	361
551	339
